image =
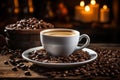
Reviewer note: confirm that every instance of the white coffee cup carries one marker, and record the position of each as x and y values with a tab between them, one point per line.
62	42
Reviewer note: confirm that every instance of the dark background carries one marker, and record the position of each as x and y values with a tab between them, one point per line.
99	32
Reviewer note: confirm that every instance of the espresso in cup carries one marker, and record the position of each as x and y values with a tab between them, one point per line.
60	33
62	42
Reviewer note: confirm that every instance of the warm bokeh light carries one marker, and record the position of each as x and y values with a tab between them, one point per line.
82	3
30	2
16	10
31	9
16	3
93	2
87	8
104	6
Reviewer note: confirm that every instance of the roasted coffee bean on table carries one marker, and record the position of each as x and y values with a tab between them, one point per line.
14	69
6	62
27	73
107	64
31	23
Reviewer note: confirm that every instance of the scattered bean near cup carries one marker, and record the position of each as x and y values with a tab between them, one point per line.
106	65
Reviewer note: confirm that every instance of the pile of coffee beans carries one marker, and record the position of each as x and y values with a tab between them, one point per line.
31	23
15	59
43	56
107	65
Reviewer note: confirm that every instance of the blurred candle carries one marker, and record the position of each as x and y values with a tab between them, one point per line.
87	15
78	11
16	5
95	8
104	14
30	4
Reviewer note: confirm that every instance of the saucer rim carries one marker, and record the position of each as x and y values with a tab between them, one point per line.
90	52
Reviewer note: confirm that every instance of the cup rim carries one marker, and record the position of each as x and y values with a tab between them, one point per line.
63	29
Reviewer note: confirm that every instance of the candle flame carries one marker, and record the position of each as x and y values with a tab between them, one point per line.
30	4
16	10
82	3
31	9
104	6
93	2
16	5
87	8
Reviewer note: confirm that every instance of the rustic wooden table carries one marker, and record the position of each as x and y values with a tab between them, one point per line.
7	73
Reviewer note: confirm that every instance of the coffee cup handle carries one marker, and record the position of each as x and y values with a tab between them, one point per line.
87	41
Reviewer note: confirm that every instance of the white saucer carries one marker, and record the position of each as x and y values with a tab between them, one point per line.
92	54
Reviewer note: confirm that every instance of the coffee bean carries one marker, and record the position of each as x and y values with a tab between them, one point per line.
112	73
14	69
84	71
17	61
19	65
45	61
87	74
27	73
64	75
3	52
6	62
111	66
101	73
76	70
116	71
24	67
12	57
30	67
106	74
81	60
96	74
12	62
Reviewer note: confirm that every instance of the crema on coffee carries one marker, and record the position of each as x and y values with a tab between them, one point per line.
59	33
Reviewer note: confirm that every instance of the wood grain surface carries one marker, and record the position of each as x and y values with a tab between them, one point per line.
6	71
